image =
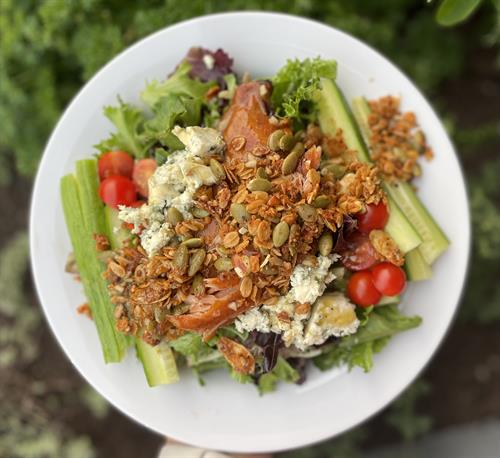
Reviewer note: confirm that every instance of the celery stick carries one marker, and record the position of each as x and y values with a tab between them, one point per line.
90	268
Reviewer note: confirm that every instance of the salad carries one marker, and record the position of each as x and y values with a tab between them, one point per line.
259	226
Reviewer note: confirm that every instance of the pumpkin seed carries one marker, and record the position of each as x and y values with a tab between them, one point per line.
239	213
290	163
299	148
307	213
174	216
321	201
193	243
259	184
181	257
337	170
286	142
160	314
269	270
196	261
273	141
419	141
180	309
197	287
217	169
280	234
417	170
223	264
199	212
325	244
261	173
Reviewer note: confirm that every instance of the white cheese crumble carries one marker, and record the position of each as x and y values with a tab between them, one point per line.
330	317
173	185
209	61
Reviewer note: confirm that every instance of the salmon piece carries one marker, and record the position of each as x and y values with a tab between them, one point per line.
210	312
246	117
210	232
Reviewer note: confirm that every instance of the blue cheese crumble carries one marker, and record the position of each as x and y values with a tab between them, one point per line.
330	315
174	184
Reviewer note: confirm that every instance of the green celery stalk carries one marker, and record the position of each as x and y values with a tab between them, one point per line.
91	269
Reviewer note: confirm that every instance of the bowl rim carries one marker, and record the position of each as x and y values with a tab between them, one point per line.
123	55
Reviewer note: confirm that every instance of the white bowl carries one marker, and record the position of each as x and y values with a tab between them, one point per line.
224	415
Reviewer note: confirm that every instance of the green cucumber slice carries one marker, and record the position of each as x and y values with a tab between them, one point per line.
416	267
334	113
158	363
435	241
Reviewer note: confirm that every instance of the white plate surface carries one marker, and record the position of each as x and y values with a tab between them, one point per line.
225	415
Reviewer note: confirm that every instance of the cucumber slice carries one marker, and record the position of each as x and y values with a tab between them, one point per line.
158	363
400	229
117	234
434	242
416	267
388	300
334	113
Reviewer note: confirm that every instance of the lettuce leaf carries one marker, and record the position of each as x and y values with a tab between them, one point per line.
282	371
129	122
180	83
358	349
295	84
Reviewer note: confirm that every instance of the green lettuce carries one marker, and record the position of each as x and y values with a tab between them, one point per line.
129	122
180	83
358	349
282	371
295	84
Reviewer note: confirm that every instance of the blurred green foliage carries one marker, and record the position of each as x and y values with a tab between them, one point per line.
49	48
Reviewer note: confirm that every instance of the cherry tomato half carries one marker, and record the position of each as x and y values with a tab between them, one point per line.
389	279
117	190
375	217
359	253
361	290
115	163
143	169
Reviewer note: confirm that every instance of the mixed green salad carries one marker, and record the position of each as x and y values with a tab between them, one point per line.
257	225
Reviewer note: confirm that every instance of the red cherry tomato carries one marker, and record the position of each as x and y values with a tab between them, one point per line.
375	217
389	279
361	290
115	163
143	169
137	203
117	190
359	253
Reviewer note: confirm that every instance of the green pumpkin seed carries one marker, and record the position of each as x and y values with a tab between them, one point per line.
337	170
290	163
273	141
307	213
239	213
174	216
217	169
325	244
259	184
181	258
299	148
197	287
286	142
269	270
419	141
280	234
160	314
180	309
196	261
223	264
193	243
261	173
321	201
199	212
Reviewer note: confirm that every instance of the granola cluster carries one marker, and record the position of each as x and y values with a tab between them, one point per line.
395	140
